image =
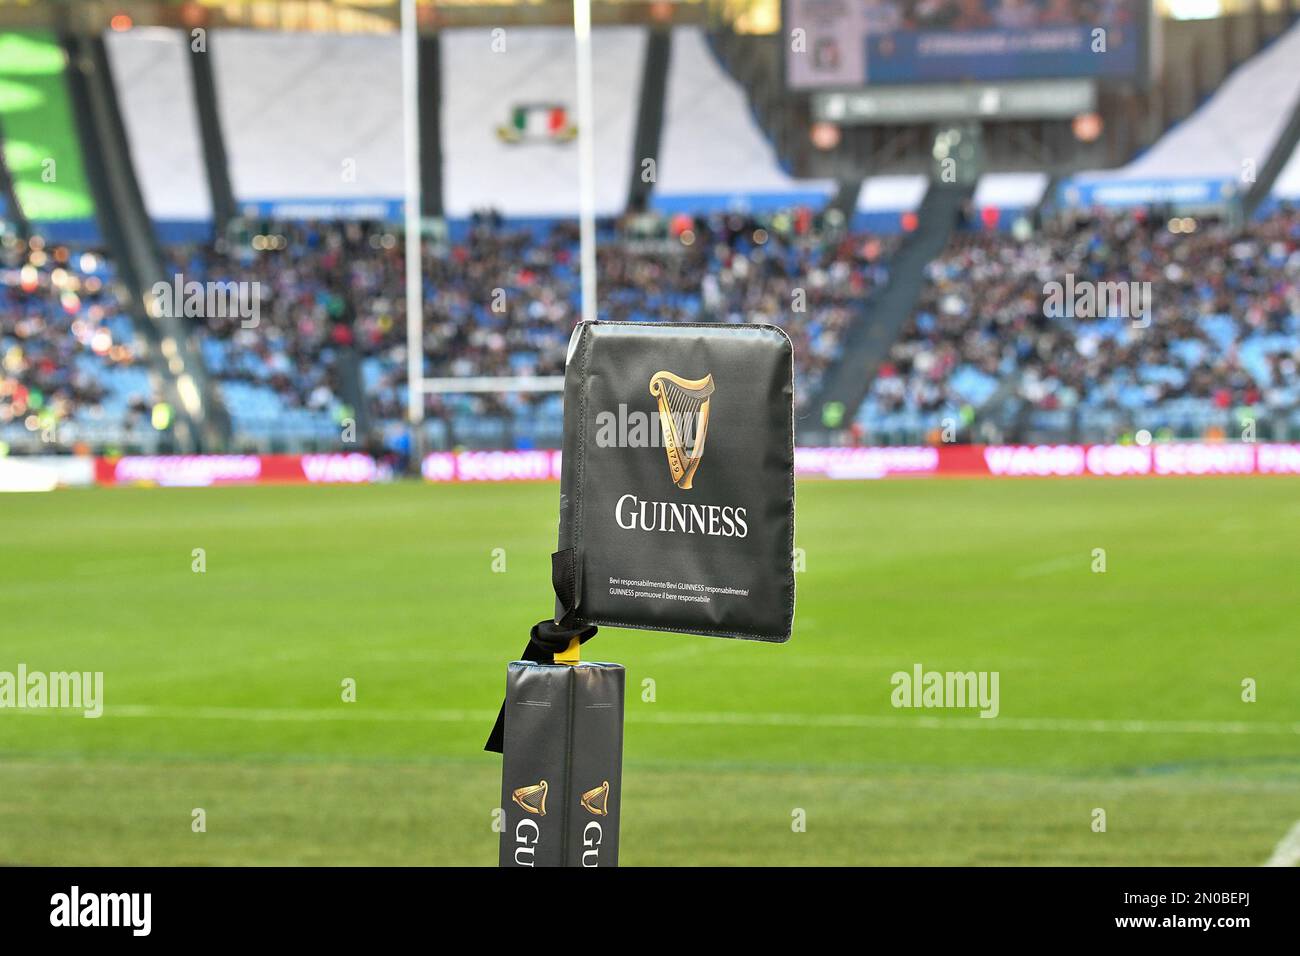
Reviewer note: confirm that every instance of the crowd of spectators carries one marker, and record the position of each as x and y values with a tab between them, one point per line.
301	293
70	366
1203	332
1090	327
502	300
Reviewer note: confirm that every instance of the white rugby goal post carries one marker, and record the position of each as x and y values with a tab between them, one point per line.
492	383
419	386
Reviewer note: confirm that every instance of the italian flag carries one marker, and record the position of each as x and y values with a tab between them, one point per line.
539	122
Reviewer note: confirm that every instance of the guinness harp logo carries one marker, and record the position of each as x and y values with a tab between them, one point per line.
684	421
532	799
596	801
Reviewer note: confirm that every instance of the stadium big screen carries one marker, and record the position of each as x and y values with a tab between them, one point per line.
853	43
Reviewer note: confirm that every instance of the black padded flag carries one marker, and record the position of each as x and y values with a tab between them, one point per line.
677	488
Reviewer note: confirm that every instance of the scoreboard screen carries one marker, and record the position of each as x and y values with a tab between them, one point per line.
854	43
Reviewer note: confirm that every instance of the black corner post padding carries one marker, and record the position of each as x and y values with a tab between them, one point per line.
562	764
545	640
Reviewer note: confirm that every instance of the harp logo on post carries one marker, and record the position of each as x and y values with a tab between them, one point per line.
532	799
528	832
684	421
596	800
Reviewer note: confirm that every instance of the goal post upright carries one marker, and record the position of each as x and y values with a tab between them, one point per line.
586	158
414	284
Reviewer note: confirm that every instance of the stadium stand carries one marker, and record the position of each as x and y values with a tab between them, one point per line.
513	152
332	290
1287	186
280	379
71	368
155	92
1010	193
316	166
713	155
1226	140
882	199
310	118
1221	348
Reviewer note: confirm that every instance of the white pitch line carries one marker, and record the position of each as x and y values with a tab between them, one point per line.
272	714
1287	851
724	718
1049	724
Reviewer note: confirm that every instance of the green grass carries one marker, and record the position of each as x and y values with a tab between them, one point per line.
1119	690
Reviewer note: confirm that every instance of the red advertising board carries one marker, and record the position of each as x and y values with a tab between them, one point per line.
856	463
198	471
969	461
